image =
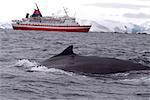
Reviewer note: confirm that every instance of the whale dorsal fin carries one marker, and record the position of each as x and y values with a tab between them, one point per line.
67	51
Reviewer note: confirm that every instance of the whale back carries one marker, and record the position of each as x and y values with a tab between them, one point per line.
69	61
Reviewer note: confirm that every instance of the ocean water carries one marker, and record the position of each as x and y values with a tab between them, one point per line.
22	51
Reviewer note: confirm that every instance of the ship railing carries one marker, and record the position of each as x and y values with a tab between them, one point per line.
41	24
16	20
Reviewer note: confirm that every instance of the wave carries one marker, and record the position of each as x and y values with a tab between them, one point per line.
32	66
25	63
138	80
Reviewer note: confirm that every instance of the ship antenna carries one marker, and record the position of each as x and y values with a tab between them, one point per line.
38	10
65	10
37	6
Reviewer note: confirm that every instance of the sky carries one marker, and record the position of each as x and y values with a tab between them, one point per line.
135	11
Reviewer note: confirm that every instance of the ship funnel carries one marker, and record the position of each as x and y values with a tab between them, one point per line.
27	15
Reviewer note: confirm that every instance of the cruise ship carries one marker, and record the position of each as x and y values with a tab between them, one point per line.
38	22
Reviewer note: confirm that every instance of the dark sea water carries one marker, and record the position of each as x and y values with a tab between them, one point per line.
27	48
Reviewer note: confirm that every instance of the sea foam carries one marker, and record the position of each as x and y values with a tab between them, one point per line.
33	66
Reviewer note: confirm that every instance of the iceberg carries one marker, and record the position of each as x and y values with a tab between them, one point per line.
5	25
116	26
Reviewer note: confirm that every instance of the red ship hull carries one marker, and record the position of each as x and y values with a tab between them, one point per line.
51	28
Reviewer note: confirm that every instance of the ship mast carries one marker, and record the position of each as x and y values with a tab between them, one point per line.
37	11
66	12
37	6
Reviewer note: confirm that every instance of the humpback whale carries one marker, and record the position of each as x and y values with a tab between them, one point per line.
69	61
